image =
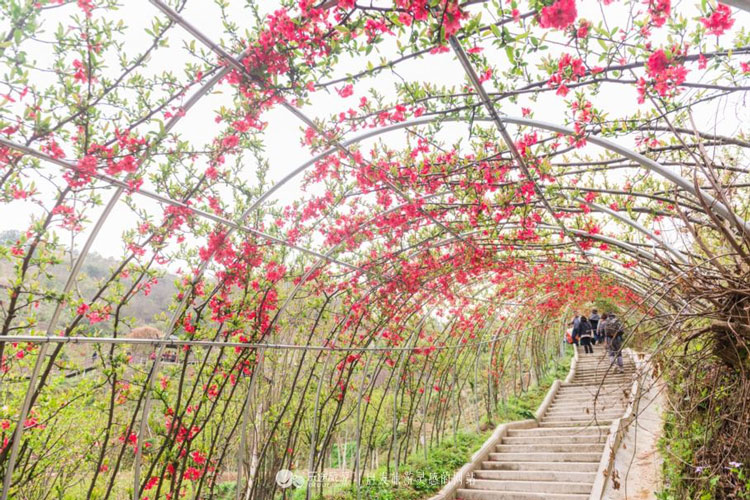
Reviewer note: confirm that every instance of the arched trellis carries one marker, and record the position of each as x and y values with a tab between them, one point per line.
121	186
327	257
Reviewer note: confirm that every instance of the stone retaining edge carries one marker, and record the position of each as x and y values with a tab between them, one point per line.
573	365
551	393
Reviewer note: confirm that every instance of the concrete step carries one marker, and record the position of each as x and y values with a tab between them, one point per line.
624	383
564	438
590	467
577	417
563	404
536	475
591	393
466	494
580	402
560	431
551	447
603	369
588	410
597	381
591	390
591	402
586	400
581	415
600	378
600	403
580	418
530	486
582	408
571	423
546	457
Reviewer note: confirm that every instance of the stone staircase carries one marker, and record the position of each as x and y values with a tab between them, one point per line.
559	458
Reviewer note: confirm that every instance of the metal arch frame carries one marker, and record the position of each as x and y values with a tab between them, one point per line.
635	224
302	168
609	145
634	156
500	125
714	204
739	4
121	186
255	205
627	247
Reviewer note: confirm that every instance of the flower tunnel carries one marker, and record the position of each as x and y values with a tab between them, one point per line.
356	227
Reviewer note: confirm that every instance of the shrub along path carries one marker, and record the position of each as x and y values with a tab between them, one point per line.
559	458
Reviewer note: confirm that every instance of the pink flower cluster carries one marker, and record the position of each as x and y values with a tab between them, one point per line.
666	73
560	14
719	21
569	69
659	11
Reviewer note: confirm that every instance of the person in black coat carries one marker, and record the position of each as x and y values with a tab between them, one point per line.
585	334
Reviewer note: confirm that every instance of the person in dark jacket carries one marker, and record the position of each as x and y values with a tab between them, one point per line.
594	320
600	327
585	335
614	334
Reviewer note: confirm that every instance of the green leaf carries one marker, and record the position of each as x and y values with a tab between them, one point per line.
496	31
511	54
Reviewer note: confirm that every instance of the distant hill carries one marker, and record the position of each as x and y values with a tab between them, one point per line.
144	309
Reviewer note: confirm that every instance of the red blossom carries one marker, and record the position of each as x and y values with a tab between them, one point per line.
719	21
659	11
153	481
346	90
82	72
191	474
230	141
560	14
583	29
85	171
666	72
87	6
569	69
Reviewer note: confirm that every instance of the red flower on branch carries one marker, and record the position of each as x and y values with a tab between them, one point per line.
719	21
659	11
560	14
346	90
667	74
